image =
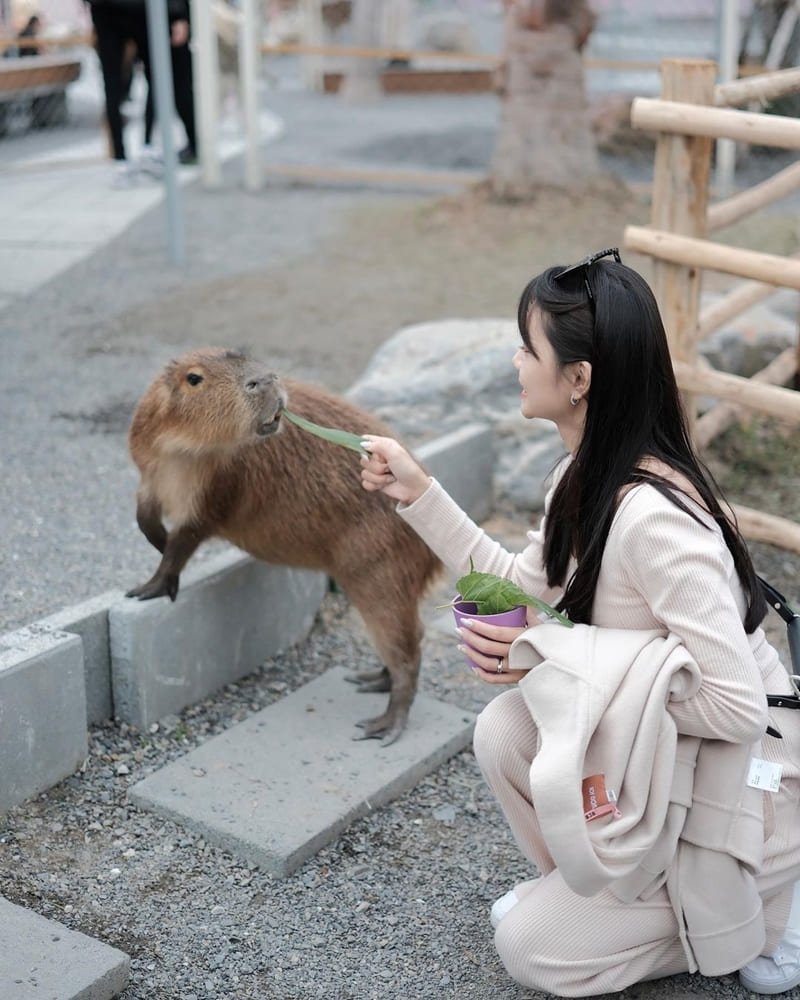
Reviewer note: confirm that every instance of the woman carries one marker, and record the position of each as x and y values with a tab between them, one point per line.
633	537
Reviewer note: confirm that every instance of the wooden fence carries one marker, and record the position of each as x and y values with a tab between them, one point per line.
691	112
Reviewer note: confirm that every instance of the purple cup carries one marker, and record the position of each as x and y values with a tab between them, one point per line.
517	617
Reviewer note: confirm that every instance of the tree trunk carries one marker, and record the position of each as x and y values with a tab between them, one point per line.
545	135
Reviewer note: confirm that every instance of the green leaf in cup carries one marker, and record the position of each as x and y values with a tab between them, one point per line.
343	438
494	594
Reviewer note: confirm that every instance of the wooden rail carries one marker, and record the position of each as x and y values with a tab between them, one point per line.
770	399
681	118
778	372
693	252
781	184
768	88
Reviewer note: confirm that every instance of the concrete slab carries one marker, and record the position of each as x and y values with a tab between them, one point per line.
44	960
232	613
89	620
42	712
279	786
463	462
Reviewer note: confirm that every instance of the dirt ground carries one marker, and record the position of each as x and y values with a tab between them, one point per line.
392	262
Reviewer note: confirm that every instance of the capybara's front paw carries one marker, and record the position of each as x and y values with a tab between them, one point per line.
160	585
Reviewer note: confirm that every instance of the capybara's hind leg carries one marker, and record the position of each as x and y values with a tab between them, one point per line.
372	680
396	631
389	726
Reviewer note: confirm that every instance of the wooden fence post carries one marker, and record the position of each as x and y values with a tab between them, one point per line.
680	200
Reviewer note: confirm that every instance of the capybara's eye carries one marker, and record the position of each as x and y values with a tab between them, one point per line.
194	379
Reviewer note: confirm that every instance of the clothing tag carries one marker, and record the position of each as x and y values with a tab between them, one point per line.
597	799
764	775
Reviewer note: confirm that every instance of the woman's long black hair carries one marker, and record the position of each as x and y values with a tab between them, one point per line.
634	411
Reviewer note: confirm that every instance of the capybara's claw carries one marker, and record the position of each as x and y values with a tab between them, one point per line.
384	727
372	680
392	736
157	586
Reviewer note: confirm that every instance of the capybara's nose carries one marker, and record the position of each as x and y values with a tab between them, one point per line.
258	383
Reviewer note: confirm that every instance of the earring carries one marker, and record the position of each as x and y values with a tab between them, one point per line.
574	399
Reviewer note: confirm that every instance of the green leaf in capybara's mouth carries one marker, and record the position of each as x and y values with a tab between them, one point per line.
343	438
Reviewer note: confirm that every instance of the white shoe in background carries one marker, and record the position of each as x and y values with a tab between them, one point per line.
123	174
779	971
151	162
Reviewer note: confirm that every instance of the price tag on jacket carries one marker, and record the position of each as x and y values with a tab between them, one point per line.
764	774
597	799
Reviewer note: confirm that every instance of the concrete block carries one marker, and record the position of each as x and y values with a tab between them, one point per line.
42	711
279	786
89	620
463	462
40	958
231	614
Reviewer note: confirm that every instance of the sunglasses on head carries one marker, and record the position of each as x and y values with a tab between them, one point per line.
583	267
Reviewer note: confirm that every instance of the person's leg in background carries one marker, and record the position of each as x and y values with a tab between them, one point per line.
152	162
183	90
183	82
110	47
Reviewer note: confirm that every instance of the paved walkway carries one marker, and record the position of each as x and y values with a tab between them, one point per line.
58	207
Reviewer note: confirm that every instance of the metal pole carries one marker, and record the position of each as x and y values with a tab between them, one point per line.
250	54
728	70
206	97
161	66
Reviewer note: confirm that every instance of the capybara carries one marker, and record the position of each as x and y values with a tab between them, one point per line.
217	459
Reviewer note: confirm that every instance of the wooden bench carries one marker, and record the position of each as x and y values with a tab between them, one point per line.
40	81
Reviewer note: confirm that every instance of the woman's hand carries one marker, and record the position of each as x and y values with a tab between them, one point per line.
390	469
488	645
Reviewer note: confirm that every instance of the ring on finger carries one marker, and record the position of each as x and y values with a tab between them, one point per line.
500	665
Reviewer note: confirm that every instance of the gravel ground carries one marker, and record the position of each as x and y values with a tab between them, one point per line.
396	907
316	279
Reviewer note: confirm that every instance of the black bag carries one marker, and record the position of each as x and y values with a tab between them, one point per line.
778	603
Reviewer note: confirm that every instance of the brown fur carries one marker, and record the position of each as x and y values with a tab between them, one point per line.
216	459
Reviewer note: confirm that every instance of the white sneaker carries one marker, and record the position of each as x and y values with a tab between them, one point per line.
151	163
502	906
123	174
781	970
776	974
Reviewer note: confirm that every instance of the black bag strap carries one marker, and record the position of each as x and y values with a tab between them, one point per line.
779	604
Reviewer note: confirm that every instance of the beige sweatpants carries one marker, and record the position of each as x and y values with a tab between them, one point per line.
553	939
